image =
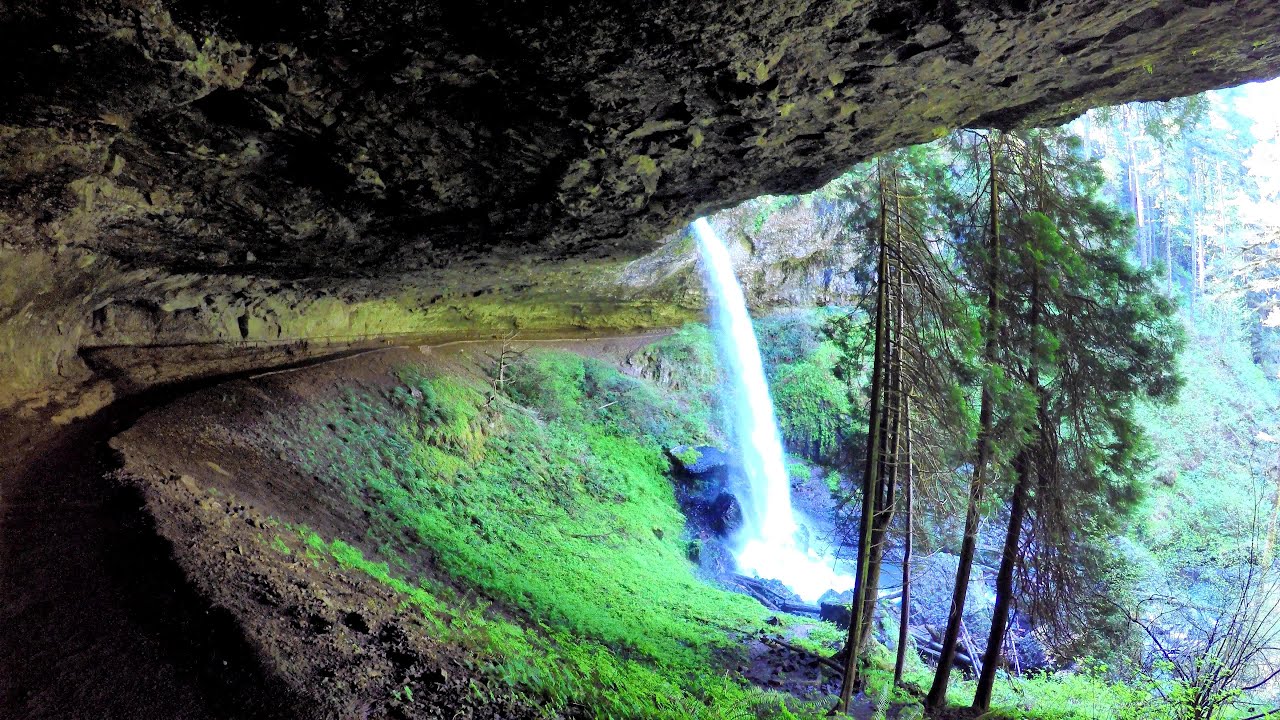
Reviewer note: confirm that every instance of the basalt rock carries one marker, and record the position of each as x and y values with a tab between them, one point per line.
341	137
700	460
726	514
835	613
456	159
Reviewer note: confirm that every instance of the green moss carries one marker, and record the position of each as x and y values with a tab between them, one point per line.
553	501
766	206
812	404
688	456
280	546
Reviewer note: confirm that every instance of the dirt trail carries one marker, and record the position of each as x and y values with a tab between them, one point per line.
96	619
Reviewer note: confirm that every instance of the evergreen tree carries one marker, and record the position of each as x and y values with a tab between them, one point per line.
1085	335
916	355
992	144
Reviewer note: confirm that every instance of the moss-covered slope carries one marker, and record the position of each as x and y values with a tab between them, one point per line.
389	530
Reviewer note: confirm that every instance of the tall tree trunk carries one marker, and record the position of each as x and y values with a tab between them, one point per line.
1004	583
1024	465
938	692
1135	189
1087	136
886	479
904	613
869	476
1197	242
889	457
1165	212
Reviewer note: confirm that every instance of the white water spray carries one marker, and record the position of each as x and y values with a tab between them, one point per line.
768	545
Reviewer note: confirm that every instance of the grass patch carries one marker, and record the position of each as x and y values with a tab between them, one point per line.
555	503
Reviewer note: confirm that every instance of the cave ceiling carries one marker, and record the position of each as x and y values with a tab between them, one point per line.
341	138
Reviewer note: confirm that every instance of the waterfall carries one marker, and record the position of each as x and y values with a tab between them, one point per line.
767	545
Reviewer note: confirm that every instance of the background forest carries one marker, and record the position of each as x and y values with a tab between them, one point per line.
1111	316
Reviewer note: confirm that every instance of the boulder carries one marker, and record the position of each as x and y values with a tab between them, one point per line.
726	514
831	596
834	607
699	460
932	581
715	559
1032	655
835	612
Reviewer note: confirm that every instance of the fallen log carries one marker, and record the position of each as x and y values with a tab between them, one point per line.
773	599
800	608
933	654
757	590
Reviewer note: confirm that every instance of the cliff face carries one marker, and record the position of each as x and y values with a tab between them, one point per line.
486	159
789	251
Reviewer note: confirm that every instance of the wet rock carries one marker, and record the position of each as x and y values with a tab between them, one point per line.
704	489
154	159
693	551
932	582
356	621
833	597
726	514
585	130
715	559
699	460
834	607
1032	654
319	624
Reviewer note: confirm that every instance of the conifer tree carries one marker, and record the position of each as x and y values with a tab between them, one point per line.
1085	335
871	471
993	144
916	354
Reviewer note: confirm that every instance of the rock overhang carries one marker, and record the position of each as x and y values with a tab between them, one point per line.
175	171
353	138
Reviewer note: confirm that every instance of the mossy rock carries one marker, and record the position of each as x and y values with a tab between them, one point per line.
699	460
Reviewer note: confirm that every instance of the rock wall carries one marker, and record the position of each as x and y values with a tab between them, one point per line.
174	170
792	251
71	321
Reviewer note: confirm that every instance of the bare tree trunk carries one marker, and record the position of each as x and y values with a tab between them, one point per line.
1135	189
881	515
1192	216
885	502
1166	223
1087	136
1197	242
869	480
889	457
1024	465
904	614
1004	584
938	692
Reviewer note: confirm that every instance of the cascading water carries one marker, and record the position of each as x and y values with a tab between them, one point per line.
767	545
